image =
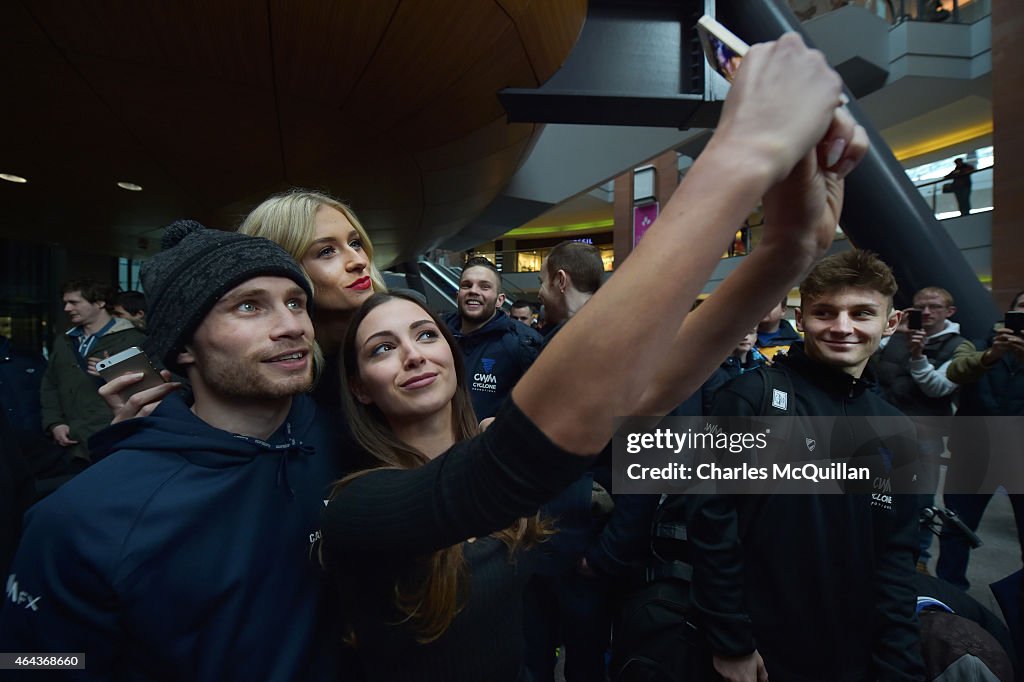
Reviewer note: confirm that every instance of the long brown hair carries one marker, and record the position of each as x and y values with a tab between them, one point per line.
432	603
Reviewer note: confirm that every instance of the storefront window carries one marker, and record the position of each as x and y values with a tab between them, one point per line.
530	261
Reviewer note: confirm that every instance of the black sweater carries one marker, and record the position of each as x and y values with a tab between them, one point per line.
379	527
820	584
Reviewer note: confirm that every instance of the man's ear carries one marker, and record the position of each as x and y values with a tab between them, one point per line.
501	300
562	280
894	321
952	311
798	314
359	391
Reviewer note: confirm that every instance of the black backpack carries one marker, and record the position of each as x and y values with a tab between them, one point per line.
657	638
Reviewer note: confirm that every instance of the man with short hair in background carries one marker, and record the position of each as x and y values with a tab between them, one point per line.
497	349
522	311
72	410
131	306
569	277
911	370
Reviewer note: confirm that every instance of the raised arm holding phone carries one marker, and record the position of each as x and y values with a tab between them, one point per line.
414	533
783	137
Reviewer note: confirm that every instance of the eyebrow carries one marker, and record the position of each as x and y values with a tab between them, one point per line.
388	333
259	293
852	306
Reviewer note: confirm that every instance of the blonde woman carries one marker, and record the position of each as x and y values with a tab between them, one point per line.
326	238
328	241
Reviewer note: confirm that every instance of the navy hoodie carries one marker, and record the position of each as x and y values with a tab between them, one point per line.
497	355
183	555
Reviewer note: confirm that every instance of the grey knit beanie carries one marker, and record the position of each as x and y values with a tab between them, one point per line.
195	268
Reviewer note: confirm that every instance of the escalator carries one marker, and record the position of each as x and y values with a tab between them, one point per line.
442	285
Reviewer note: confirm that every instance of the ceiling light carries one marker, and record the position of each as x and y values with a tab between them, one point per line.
130	186
12	178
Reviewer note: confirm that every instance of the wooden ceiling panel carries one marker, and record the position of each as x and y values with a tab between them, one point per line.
315	137
169	114
18	29
483	141
389	104
427	48
321	49
548	30
226	40
485	175
471	101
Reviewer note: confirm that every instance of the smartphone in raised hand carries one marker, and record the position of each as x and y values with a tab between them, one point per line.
1014	321
914	322
722	48
130	361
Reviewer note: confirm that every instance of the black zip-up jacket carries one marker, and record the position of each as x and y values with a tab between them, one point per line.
821	585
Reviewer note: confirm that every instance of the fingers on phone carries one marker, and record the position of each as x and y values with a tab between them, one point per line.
144	402
844	145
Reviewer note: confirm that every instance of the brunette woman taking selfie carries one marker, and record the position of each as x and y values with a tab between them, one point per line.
432	545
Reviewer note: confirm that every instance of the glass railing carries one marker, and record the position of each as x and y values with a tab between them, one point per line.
896	11
940	196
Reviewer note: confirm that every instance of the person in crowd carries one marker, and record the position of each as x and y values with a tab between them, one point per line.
72	411
131	306
911	371
421	543
569	277
184	553
522	311
990	373
744	358
836	569
21	376
497	349
961	184
326	238
17	491
567	602
774	332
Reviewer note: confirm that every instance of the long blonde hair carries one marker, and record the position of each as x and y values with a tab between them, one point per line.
433	603
289	219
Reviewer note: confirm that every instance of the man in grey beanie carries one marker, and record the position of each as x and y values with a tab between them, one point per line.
183	551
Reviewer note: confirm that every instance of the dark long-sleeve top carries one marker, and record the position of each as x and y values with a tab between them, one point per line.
380	527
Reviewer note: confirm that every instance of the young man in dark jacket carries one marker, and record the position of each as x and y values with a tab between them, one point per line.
497	349
72	410
819	585
185	553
